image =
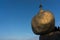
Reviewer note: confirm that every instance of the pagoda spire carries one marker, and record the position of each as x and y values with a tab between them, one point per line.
41	6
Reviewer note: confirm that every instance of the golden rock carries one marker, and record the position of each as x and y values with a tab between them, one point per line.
43	22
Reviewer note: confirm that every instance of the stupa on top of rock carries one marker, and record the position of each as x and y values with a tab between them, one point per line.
43	22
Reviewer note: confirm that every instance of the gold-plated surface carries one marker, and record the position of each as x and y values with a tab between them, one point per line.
44	21
45	18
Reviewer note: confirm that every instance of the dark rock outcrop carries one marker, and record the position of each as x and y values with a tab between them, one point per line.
55	35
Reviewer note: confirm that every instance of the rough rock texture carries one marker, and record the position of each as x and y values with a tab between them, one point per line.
55	35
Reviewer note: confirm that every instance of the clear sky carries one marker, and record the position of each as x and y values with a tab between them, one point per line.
16	16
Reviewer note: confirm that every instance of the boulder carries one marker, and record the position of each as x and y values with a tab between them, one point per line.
43	22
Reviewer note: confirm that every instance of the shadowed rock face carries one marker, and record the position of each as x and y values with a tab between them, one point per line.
51	36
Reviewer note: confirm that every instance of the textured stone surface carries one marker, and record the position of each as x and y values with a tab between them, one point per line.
55	35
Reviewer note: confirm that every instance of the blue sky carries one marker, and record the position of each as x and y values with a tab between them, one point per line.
16	16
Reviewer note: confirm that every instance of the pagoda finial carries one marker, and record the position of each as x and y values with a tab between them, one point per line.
40	5
41	9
